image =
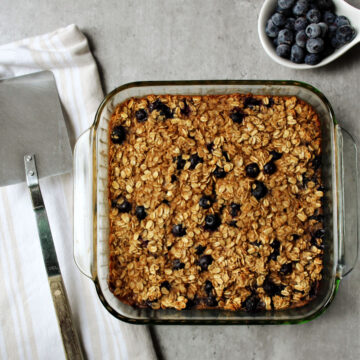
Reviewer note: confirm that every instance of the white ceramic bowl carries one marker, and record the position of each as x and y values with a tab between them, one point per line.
341	8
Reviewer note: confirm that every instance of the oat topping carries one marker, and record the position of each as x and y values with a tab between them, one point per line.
215	202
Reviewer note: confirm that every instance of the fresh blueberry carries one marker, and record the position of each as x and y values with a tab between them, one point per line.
140	212
286	4
286	12
313	31
194	160
205	202
315	46
178	230
345	34
283	50
286	269
297	54
301	7
252	170
237	116
324	4
211	301
141	115
271	29
205	261
200	249
166	285
278	19
251	303
285	37
118	134
259	191
301	38
312	59
335	43
219	172
329	17
332	30
180	162
313	16
341	20
212	221
208	287
271	288
290	23
177	264
173	178
234	209
300	23
124	207
275	155
324	28
275	42
270	167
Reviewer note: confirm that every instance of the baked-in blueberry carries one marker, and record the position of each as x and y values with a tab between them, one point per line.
301	38
178	230
300	23
285	36
271	288
194	160
219	172
208	287
259	191
315	46
118	134
341	20
251	303
283	50
319	234
124	207
226	155
205	261
313	16
275	155
200	249
250	102
173	178
286	269
278	19
211	301
212	221
313	31
140	212
141	115
180	162
186	109
270	168
177	264
345	34
271	29
312	59
329	17
234	209
233	223
286	4
316	163
166	285
301	7
252	170
210	146
237	116
162	108
205	202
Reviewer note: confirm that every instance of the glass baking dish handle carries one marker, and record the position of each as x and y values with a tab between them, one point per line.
83	206
348	201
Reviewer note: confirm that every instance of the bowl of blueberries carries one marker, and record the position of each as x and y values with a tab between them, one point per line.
303	34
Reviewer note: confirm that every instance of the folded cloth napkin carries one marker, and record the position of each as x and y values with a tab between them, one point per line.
28	325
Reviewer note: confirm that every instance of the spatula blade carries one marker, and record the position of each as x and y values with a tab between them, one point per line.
32	121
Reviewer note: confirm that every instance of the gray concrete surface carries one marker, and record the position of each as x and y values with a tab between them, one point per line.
208	39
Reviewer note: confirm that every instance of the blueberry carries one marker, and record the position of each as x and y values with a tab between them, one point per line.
210	146
178	230
156	105
211	301
278	19
233	223
173	178
219	172
283	50
271	29
180	162
301	7
316	163
286	4
208	287
212	221
313	16
313	31
312	59
165	201
140	212
205	202
259	191
194	160
289	24
329	17
274	255
124	207
324	4
251	303
141	115
251	102
177	264
301	38
162	108
118	134
166	285
315	46
332	30
270	167
324	28
319	234
200	249
335	43
275	155
275	42
345	34
234	209
225	155
300	23
205	261
252	170
286	12
285	37
297	54
341	20
271	288
237	116
186	109
275	244
286	269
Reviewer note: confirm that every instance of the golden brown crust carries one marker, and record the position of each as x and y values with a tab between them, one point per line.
144	254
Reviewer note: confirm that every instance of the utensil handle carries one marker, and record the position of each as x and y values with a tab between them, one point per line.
69	335
83	203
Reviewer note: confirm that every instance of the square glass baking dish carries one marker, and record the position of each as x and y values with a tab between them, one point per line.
339	173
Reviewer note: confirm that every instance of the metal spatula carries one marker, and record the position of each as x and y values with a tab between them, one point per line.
33	131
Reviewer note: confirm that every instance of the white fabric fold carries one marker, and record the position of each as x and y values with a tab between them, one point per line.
28	325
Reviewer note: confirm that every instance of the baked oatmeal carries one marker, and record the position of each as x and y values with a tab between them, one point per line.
215	202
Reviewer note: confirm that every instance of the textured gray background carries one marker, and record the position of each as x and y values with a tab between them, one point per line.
208	39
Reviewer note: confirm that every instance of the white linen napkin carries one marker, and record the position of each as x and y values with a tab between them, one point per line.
28	326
